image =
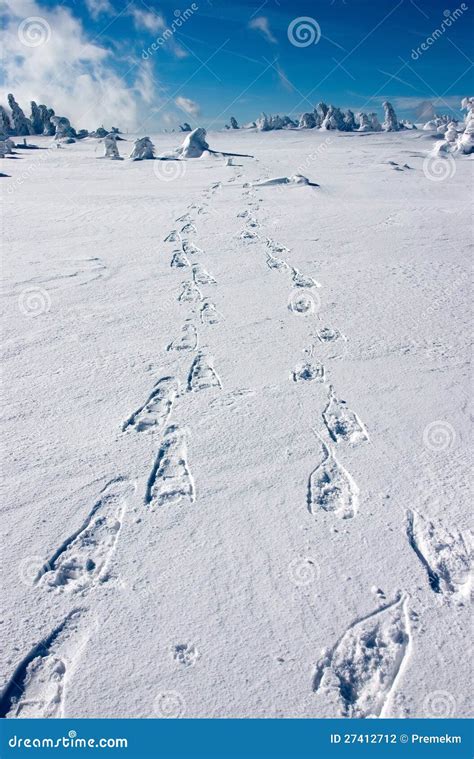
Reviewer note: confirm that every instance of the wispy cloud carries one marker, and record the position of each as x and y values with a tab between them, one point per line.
148	20
261	24
188	106
99	7
283	79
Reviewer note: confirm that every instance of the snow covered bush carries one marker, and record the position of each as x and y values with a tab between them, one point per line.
143	149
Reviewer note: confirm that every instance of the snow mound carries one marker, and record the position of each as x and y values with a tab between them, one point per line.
195	145
296	179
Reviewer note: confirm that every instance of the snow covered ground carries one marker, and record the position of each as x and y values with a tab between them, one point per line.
230	492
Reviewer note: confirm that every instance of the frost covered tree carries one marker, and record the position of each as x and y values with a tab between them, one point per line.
349	121
263	123
143	149
100	132
36	119
390	123
466	140
194	144
5	125
64	130
364	122
307	121
333	119
321	110
233	123
46	116
375	123
7	145
267	123
111	148
21	125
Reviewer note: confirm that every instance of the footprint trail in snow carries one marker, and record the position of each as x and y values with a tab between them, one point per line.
331	488
187	340
341	422
154	414
82	560
202	374
365	663
445	555
170	480
38	686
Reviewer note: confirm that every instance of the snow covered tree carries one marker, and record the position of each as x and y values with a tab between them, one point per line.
194	144
263	123
5	125
333	119
390	123
321	110
364	122
21	125
36	119
233	123
46	115
375	123
64	130
307	121
349	121
143	149
111	149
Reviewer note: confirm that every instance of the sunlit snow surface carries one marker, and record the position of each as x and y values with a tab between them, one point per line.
236	424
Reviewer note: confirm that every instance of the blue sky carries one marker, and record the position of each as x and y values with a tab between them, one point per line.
236	58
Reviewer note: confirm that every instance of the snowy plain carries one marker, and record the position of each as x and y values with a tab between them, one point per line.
257	547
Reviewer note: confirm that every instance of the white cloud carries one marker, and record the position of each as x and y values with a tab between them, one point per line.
98	7
284	81
151	22
178	51
69	72
187	105
261	24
